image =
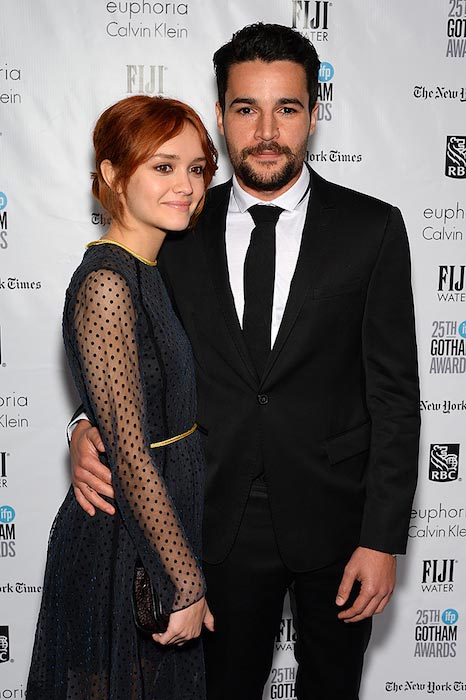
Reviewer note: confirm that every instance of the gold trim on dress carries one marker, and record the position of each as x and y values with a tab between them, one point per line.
152	263
169	441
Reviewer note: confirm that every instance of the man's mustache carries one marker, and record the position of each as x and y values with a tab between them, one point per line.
270	146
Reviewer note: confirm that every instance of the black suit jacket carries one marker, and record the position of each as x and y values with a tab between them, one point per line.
334	420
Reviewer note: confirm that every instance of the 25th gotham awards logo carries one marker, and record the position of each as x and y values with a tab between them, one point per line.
3	221
311	18
7	532
444	460
448	347
456	29
455	157
436	634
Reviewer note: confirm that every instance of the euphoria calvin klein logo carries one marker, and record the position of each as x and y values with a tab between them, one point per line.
444	462
4	645
147	80
455	157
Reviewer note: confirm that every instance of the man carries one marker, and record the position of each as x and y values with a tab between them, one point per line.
307	380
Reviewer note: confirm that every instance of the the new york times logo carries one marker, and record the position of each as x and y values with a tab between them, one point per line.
4	645
444	462
438	575
455	157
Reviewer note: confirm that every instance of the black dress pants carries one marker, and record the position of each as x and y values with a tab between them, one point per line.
246	592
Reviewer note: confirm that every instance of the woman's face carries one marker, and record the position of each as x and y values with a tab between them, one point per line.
164	191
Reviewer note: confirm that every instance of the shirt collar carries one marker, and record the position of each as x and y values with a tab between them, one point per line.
289	200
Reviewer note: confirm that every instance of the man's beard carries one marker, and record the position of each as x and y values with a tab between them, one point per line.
263	181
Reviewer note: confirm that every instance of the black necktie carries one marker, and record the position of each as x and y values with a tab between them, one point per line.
259	278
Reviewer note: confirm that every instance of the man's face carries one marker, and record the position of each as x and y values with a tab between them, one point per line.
266	124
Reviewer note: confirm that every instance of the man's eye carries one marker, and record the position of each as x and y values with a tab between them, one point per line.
288	110
245	110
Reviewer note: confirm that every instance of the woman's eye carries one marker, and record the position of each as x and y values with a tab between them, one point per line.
163	168
197	169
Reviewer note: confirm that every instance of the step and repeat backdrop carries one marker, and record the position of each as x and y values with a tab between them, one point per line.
392	123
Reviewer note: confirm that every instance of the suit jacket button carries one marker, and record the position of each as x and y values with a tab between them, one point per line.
262	399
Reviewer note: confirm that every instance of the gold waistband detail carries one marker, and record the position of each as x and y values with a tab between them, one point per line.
169	441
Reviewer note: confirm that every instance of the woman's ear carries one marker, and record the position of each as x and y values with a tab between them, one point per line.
108	172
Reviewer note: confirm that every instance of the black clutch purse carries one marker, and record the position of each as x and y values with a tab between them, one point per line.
148	615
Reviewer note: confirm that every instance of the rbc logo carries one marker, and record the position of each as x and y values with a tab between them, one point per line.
7	514
326	72
3	200
450	616
4	645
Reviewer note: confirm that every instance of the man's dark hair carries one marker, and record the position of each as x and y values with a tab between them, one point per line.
267	42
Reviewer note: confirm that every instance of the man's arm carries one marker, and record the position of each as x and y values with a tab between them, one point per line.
392	393
89	476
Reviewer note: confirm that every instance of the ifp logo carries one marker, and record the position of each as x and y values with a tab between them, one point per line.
7	514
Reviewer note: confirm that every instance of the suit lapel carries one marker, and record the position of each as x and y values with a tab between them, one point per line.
316	243
212	231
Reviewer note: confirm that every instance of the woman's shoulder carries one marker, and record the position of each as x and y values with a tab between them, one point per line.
103	273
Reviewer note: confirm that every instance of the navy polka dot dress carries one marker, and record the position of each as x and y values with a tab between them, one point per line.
132	365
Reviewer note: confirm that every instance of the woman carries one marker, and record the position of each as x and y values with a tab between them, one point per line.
132	365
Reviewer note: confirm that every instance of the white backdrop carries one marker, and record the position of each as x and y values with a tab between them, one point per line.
391	123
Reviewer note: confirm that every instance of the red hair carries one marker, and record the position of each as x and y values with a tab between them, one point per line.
129	132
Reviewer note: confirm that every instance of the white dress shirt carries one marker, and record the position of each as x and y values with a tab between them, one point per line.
289	230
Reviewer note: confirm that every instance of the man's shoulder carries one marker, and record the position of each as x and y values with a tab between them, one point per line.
217	194
334	194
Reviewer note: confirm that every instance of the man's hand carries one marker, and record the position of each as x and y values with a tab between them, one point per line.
186	624
376	572
89	476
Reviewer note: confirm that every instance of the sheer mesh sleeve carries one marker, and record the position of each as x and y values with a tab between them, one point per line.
105	323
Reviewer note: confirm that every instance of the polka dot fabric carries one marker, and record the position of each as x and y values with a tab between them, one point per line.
132	365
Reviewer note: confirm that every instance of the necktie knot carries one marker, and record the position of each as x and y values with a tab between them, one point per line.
261	214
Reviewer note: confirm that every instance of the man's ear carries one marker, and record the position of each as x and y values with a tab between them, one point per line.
313	123
219	113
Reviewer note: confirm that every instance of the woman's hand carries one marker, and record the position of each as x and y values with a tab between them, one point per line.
186	624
